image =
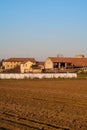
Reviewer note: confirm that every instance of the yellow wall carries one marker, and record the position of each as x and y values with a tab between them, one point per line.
26	67
23	67
48	64
10	65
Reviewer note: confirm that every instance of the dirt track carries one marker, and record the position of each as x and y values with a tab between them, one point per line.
43	104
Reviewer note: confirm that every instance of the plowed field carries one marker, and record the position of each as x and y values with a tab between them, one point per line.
43	104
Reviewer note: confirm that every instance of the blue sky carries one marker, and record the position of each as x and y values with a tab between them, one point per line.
43	28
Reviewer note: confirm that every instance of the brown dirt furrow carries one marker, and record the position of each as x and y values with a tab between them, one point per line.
27	123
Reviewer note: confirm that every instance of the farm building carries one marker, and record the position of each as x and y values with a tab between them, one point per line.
18	64
62	63
38	67
41	64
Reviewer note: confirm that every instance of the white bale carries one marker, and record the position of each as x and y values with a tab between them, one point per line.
26	75
2	76
21	76
7	76
40	76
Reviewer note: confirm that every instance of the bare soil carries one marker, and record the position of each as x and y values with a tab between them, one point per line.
43	104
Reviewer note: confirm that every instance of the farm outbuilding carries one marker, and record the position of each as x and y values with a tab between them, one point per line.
62	63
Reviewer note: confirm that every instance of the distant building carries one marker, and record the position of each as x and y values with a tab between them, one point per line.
41	64
38	67
52	64
80	56
24	64
62	63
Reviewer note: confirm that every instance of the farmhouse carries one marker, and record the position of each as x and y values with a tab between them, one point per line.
63	63
23	64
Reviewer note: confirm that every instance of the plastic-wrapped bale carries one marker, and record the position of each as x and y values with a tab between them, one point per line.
12	76
62	75
69	75
75	75
55	75
48	75
17	76
26	76
40	76
2	76
21	76
7	76
31	76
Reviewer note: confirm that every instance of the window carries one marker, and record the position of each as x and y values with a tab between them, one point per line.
7	66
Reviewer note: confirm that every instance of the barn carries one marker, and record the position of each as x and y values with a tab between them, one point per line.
63	63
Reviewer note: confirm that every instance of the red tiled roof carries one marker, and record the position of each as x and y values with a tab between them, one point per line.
74	61
41	63
22	60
